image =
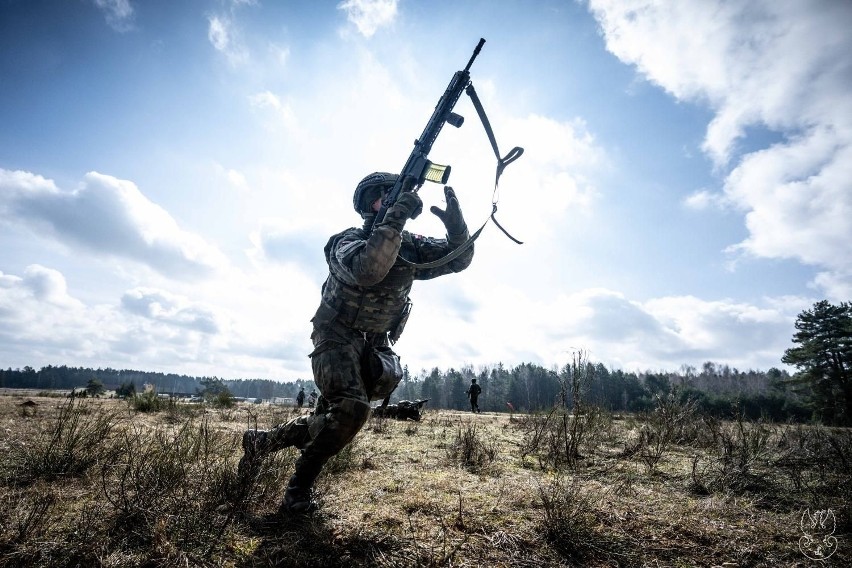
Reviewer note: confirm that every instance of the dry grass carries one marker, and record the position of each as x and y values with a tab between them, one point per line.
457	489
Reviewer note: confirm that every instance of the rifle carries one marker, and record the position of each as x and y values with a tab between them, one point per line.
421	169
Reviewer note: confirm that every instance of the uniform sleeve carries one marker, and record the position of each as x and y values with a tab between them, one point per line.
429	249
364	262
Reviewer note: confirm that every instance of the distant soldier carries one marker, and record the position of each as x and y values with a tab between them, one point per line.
312	399
300	398
473	394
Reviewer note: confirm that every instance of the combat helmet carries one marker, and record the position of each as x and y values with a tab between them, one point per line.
371	188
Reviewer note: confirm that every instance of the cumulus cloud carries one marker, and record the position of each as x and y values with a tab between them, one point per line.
39	283
108	216
369	15
782	66
118	13
48	285
678	330
660	333
150	329
41	321
563	158
161	306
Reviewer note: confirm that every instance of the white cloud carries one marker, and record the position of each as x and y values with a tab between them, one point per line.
798	200
108	216
118	13
234	178
560	163
660	334
237	180
217	33
282	111
240	326
704	199
777	65
225	38
162	306
369	15
837	286
40	321
48	285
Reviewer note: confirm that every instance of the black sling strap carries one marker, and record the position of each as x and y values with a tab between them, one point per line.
513	155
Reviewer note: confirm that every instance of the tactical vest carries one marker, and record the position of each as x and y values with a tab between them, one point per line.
375	309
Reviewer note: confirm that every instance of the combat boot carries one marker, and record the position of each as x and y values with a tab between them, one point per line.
254	446
298	501
298	498
259	443
255	442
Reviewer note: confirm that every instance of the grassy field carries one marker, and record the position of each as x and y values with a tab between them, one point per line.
98	483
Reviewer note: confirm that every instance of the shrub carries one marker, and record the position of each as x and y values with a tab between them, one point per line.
663	427
76	439
469	450
568	519
148	401
739	460
555	438
166	488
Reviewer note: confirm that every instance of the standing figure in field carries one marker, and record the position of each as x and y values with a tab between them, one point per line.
363	308
473	392
300	398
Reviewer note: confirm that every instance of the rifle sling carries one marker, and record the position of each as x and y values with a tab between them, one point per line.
513	155
451	256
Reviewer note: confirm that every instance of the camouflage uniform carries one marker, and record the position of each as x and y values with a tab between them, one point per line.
362	300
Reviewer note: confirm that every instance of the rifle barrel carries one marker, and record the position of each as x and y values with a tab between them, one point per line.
475	53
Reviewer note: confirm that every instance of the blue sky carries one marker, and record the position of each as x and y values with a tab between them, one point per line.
170	171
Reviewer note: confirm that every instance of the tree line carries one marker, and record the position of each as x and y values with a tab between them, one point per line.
70	378
820	390
717	389
526	387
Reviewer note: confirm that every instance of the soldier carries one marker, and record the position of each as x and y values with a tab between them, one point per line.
300	398
312	399
473	394
364	299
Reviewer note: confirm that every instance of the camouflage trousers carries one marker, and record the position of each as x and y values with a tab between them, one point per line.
339	372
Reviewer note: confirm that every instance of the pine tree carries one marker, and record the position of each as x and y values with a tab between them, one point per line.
824	359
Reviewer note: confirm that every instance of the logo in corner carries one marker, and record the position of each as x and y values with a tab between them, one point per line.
818	541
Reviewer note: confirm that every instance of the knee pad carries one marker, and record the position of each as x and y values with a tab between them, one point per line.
340	424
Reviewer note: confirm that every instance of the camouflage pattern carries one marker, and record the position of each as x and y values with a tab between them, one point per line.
362	298
370	188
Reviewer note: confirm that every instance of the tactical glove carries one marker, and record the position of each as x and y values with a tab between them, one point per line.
407	206
452	215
